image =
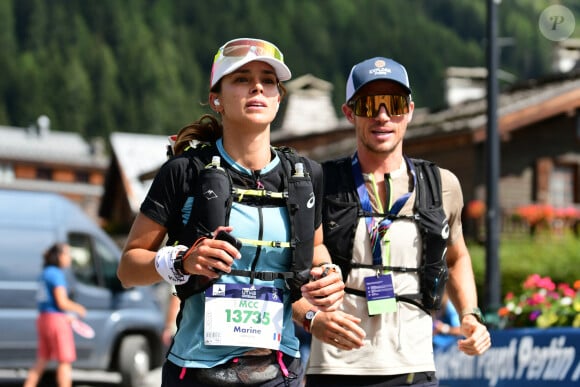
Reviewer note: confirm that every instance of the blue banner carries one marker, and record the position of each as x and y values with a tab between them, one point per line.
517	357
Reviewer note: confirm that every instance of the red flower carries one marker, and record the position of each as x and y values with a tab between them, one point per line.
536	299
475	209
542	304
503	311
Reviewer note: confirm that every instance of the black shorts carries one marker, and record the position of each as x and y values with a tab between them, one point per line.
419	379
175	376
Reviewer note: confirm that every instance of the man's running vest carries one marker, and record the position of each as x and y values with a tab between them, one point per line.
214	194
341	213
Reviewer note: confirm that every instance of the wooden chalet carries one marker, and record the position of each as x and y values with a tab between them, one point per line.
40	159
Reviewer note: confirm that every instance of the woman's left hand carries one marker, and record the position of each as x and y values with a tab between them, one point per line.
325	290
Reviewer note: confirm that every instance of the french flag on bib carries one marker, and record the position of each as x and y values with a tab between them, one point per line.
277	337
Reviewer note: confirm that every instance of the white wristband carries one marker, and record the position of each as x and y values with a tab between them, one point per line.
164	265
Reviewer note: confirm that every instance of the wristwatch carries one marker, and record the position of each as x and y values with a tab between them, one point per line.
474	311
308	317
178	263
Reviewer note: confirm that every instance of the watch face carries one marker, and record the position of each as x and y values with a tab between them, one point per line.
310	314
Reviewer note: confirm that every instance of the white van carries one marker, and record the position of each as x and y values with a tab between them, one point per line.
128	323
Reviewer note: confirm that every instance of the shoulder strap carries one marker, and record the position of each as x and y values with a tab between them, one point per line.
301	209
289	157
341	212
428	184
338	176
210	208
433	273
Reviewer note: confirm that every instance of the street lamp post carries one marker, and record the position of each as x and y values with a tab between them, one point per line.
492	274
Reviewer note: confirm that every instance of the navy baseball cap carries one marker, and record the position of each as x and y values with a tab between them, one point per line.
375	69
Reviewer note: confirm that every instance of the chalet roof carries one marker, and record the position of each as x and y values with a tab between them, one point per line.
33	144
309	84
308	109
137	154
526	103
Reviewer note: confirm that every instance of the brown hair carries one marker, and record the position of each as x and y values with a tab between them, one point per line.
206	129
52	254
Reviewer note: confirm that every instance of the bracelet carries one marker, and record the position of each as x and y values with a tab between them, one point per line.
308	319
313	317
197	242
182	256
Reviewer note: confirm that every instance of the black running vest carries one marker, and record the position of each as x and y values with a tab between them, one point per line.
342	211
213	197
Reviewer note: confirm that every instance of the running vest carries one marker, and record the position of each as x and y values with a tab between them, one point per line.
214	194
342	210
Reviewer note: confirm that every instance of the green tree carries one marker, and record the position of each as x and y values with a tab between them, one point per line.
107	97
7	61
75	96
143	65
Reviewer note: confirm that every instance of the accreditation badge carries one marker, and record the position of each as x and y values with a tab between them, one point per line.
243	315
380	294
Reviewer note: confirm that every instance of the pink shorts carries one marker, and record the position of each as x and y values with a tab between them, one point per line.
55	338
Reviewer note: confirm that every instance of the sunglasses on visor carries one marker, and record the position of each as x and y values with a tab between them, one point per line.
242	47
369	105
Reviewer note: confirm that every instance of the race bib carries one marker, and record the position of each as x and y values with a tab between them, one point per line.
243	315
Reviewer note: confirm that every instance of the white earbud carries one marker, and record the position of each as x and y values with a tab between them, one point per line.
216	102
278	107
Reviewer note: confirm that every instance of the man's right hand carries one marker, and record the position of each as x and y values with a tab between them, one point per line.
325	292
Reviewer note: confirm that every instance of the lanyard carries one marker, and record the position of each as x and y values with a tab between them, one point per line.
378	230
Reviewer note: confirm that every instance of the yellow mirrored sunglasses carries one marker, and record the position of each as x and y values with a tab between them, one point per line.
369	105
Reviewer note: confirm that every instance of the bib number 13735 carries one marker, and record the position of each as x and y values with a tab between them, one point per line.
243	315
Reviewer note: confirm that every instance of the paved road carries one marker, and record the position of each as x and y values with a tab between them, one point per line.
13	378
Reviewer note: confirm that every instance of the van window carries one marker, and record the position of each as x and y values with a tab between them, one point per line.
83	264
109	261
94	262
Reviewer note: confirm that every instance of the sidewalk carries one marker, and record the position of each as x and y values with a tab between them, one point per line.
9	378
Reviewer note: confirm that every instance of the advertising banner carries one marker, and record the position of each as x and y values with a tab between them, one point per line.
517	357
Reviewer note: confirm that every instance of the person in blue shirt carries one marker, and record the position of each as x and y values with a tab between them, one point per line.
55	335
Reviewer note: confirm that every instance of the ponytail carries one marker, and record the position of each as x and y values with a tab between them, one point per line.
206	129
